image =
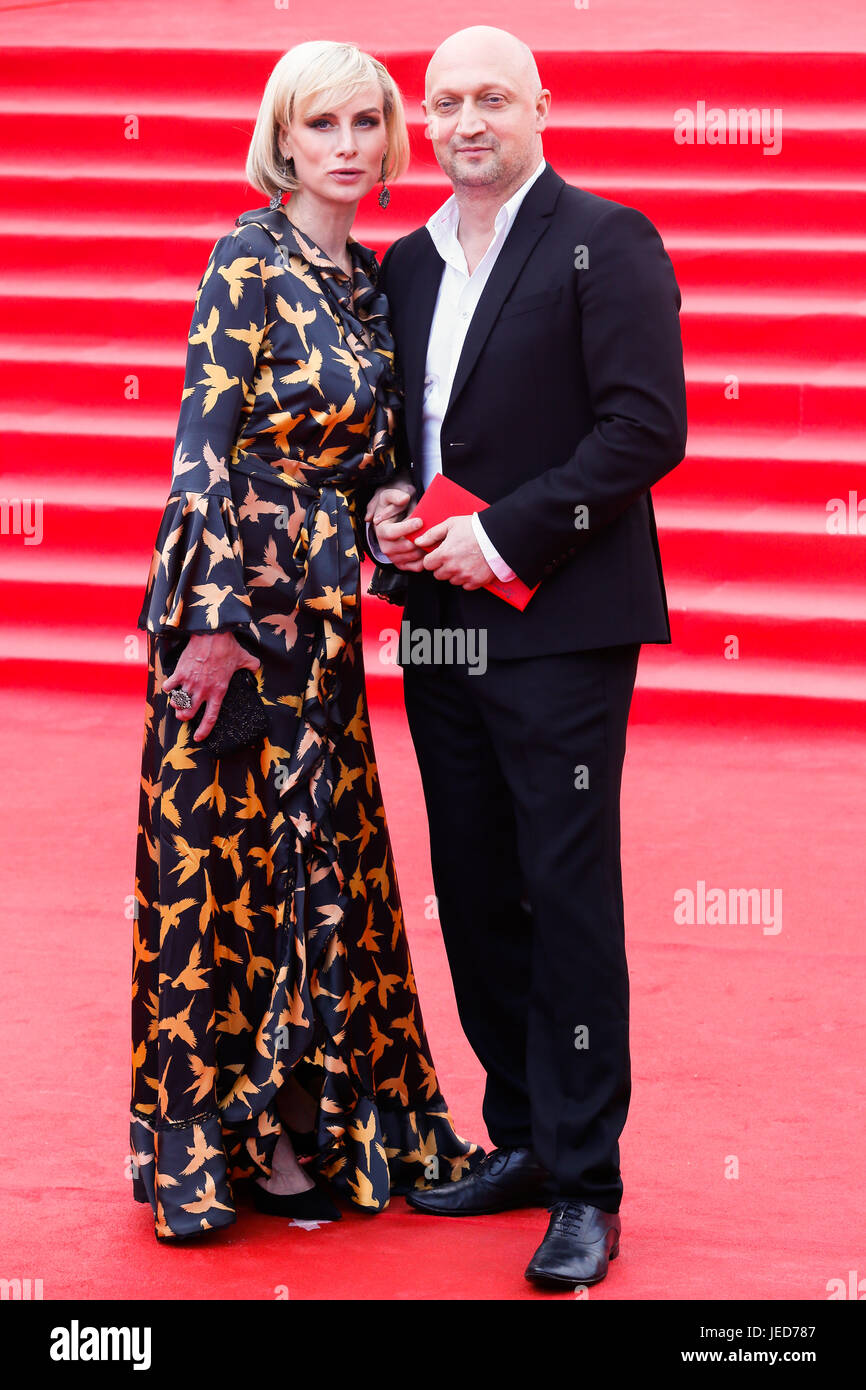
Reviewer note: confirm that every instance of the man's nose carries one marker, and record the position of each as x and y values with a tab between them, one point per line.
470	121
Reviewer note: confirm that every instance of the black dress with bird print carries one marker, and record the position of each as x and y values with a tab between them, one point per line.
269	938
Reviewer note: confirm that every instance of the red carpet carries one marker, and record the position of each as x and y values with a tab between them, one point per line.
744	1043
743	771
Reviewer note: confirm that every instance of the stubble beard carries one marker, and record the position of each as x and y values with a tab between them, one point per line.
462	174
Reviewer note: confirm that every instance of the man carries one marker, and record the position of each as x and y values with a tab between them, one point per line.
537	329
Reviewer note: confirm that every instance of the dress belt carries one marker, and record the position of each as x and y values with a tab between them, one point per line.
326	550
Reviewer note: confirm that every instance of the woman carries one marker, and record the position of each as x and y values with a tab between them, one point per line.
273	992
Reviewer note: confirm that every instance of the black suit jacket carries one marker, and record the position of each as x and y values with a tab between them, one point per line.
569	395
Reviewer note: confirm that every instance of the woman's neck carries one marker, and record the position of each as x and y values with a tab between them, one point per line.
325	224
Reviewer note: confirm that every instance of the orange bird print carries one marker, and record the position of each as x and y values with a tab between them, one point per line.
269	943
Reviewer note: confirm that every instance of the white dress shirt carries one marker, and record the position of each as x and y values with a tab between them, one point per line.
459	293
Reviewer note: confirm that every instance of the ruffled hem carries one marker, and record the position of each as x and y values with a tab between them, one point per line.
186	1172
392	1152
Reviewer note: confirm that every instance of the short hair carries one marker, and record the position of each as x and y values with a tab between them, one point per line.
318	75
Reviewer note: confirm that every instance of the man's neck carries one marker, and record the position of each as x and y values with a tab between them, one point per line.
477	210
478	206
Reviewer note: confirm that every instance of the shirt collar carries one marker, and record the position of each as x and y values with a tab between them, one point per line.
442	226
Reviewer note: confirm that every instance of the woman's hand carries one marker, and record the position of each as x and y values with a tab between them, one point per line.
390	500
395	541
393	535
206	665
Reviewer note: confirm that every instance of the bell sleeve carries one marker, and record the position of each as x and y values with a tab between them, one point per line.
196	579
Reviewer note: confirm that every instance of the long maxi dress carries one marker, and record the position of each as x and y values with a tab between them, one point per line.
268	936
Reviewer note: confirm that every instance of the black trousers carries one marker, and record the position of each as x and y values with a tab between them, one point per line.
521	766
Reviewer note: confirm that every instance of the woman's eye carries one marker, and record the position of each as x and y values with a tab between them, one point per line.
362	120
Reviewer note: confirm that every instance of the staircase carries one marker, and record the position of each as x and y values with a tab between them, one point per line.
104	238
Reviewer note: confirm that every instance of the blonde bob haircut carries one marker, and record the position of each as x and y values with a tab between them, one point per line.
314	77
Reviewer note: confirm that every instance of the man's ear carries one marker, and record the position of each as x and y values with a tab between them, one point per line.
542	114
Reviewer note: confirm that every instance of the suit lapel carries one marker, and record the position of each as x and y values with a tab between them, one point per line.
531	221
414	356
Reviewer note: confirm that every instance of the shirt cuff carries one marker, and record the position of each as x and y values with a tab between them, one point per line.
374	547
490	553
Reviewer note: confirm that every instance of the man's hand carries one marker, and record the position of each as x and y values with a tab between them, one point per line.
457	555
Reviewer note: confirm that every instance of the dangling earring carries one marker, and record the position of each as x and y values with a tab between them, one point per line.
385	195
277	198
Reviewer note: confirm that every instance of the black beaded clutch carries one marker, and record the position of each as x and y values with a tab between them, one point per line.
242	718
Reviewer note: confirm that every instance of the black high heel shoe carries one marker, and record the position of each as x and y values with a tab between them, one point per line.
304	1142
312	1205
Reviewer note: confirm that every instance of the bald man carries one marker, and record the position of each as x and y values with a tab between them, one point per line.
537	331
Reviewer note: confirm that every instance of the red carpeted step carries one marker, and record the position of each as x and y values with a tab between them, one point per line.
751	466
723	394
170	76
769	252
774	325
191	197
836	265
672	685
590	142
133	445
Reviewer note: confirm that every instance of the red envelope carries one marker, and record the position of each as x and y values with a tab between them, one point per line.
444	498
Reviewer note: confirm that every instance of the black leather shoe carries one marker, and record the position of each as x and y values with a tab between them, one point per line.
580	1241
504	1179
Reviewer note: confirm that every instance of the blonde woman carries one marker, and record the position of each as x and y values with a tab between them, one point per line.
274	1005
